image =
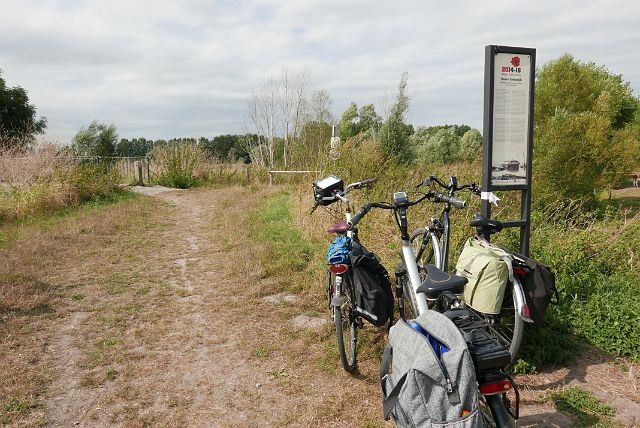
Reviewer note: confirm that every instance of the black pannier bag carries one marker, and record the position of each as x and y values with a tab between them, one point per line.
539	287
373	296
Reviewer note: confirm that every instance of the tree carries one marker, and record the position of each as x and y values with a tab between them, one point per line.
348	126
584	130
134	147
442	147
18	122
395	133
470	145
98	139
292	100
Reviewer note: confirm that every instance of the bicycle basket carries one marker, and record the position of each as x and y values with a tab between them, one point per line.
339	250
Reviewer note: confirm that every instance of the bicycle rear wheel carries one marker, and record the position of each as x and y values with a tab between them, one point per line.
346	322
509	323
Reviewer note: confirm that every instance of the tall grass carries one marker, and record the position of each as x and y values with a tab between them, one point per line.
176	164
39	181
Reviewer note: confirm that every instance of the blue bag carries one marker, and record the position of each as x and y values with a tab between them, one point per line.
339	250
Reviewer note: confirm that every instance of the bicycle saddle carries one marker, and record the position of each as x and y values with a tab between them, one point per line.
439	281
486	225
340	227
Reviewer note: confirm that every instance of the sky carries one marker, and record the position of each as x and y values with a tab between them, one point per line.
164	69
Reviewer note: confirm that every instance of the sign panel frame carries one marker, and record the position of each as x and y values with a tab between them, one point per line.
509	88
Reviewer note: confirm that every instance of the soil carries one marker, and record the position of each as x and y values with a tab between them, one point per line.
177	326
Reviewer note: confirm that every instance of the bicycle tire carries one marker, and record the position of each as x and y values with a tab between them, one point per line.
510	324
495	413
410	308
424	249
346	326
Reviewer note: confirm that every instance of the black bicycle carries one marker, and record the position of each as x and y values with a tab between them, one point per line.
340	289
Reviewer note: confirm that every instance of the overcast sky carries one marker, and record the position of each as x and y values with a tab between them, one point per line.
163	69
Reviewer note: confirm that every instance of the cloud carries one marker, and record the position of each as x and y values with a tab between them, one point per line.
160	69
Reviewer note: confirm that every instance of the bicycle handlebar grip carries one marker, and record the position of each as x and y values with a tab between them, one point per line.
458	203
356	218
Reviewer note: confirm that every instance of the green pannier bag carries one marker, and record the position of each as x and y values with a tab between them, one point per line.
487	273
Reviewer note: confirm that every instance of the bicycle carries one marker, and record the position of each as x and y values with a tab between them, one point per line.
431	246
490	354
340	289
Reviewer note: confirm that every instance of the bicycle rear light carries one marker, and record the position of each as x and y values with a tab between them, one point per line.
496	387
338	269
526	313
520	271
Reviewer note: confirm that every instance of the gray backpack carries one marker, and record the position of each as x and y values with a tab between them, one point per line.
422	389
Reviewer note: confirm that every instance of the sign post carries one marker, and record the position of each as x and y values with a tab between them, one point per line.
509	83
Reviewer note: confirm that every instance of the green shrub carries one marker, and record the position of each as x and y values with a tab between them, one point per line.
177	164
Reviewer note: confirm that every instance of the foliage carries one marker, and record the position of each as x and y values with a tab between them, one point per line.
98	139
470	147
18	121
583	115
395	133
313	145
442	147
136	147
355	121
226	148
177	164
446	144
587	410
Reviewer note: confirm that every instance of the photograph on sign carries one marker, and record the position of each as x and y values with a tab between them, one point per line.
511	101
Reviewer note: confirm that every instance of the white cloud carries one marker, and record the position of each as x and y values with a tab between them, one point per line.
160	69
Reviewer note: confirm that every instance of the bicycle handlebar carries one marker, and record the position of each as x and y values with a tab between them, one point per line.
366	208
441	197
355	185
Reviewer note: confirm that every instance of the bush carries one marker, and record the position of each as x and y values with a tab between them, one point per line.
177	164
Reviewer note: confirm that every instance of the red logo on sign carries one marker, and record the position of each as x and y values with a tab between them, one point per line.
515	61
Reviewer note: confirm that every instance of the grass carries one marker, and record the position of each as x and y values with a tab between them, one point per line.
288	251
45	220
587	410
50	272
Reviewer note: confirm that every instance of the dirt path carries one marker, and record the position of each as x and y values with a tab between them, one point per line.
160	316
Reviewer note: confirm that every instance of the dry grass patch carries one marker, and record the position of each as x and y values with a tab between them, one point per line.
46	279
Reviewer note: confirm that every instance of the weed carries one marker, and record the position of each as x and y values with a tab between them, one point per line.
15	405
587	410
77	297
111	373
108	343
263	352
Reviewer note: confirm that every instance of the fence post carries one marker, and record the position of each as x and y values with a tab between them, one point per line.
138	173
270	178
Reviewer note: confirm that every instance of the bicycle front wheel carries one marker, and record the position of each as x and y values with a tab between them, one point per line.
346	325
426	249
409	306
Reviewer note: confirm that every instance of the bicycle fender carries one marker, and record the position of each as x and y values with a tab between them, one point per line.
337	301
520	301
